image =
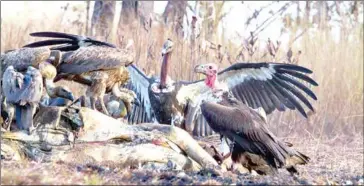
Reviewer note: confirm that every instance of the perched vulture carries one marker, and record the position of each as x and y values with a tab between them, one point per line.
244	126
24	92
85	56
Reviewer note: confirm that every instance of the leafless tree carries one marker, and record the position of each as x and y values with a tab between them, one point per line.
173	16
102	18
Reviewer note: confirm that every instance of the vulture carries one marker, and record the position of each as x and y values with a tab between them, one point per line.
47	71
23	91
250	140
84	56
271	86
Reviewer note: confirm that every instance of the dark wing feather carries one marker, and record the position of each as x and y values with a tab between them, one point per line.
87	59
76	41
269	85
50	42
139	83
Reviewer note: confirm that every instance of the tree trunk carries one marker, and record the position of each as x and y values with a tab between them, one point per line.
87	17
102	18
307	14
173	15
131	9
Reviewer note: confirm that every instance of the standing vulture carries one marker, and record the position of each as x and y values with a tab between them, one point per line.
85	56
24	92
243	126
46	69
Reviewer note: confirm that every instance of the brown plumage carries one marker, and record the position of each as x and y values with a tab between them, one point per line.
253	145
21	58
86	56
97	90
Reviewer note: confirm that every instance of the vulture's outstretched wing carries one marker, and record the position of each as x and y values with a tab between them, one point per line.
139	83
245	127
84	54
271	86
71	42
87	59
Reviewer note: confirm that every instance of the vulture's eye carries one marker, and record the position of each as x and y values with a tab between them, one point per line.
210	67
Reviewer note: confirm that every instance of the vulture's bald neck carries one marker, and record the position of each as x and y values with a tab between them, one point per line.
211	81
164	70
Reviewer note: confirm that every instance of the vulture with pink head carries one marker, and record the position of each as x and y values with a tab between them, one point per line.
251	143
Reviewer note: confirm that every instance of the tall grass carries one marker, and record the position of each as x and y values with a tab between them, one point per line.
337	67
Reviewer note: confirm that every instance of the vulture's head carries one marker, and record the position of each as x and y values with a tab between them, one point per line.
167	47
47	70
64	92
210	71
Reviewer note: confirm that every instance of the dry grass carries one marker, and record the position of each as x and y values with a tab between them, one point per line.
337	67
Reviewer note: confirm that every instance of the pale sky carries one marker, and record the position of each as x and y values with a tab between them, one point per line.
233	23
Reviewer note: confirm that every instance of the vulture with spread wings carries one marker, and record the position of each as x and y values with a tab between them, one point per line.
84	57
251	142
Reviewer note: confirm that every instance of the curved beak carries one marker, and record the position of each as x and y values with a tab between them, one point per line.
199	69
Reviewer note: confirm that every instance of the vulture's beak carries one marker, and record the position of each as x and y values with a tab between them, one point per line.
167	47
200	69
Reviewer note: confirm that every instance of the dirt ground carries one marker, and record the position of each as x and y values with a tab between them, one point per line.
336	163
